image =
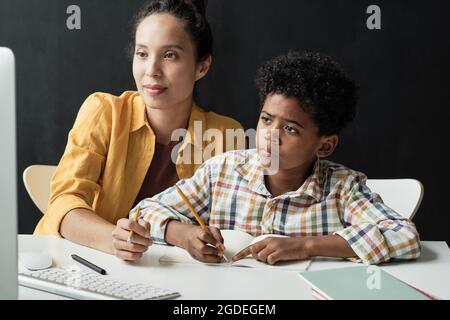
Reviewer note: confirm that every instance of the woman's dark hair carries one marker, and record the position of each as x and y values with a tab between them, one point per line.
192	12
319	84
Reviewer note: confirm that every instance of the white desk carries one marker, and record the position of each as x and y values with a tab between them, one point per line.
430	273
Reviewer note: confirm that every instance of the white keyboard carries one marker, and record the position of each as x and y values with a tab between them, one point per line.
80	284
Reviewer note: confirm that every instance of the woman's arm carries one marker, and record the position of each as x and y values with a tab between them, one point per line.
88	229
75	184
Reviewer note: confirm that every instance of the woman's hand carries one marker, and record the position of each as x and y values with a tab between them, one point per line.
205	246
275	249
140	241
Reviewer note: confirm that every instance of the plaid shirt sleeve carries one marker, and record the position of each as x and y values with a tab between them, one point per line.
374	231
169	205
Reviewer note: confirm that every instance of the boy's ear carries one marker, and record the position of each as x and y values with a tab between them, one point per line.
327	145
203	68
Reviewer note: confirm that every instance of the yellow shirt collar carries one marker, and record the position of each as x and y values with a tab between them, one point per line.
139	120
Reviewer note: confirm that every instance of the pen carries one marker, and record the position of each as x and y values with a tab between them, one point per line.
196	215
88	264
130	233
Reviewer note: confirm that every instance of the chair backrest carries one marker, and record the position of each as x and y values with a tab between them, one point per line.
402	195
36	179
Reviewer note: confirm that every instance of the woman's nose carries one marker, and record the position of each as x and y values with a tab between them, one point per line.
153	69
268	134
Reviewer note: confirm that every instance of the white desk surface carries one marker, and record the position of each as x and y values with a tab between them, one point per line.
431	273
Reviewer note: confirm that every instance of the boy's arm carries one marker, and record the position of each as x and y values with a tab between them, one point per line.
375	232
203	245
329	246
275	249
168	205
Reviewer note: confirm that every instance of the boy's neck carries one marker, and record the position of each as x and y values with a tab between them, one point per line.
165	121
288	180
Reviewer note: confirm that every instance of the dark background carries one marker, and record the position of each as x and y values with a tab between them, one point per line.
401	129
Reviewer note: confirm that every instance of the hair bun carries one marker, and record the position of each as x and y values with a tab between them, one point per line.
200	5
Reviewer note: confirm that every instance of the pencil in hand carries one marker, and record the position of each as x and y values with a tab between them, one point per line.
199	219
130	233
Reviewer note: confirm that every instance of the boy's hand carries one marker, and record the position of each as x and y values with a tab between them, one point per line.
274	249
204	246
140	241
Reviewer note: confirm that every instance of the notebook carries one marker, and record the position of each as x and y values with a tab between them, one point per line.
234	241
360	283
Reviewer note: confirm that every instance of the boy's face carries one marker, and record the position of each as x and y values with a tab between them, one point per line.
299	143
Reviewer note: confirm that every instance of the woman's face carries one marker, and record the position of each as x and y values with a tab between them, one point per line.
165	67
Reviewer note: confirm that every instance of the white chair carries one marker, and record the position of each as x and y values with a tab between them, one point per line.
36	179
402	195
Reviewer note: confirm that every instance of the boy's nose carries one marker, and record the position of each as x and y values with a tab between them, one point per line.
272	135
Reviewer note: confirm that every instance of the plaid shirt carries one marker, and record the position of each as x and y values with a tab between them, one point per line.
228	192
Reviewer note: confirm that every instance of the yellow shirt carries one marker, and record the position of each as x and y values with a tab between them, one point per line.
108	153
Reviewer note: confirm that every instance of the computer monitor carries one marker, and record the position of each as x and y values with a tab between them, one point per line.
8	177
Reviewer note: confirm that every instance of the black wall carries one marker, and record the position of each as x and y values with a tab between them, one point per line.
401	126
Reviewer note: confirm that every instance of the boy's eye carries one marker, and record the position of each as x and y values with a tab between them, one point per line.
291	129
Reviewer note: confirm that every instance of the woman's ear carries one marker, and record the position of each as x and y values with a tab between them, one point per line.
203	68
327	145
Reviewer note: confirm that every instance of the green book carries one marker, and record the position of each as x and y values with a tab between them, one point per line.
360	283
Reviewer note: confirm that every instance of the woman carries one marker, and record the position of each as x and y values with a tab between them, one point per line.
119	149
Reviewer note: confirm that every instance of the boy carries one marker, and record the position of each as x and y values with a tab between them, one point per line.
324	208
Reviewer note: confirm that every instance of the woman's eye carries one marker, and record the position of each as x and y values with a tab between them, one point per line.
265	120
141	54
170	55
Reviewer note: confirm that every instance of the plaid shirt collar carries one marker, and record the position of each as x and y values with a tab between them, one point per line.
252	171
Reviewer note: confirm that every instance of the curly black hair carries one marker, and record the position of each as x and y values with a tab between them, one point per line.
318	82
